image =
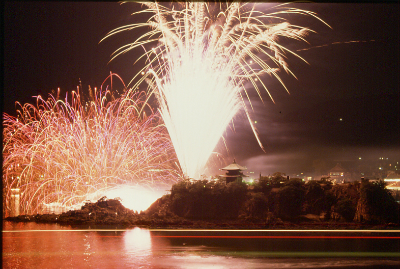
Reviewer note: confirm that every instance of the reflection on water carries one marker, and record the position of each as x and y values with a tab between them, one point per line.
30	245
137	247
137	241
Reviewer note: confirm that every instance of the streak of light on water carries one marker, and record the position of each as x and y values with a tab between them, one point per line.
211	230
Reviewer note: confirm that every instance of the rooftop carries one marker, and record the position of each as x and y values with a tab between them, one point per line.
234	166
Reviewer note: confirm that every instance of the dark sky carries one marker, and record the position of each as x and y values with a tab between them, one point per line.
49	45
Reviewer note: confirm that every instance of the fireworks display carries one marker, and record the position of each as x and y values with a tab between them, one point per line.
204	57
202	60
63	151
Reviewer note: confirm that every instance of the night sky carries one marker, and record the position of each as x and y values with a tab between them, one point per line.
344	105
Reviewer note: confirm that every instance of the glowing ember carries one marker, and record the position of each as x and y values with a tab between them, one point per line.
59	152
205	56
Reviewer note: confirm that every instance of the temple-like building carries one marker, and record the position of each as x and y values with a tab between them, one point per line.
234	172
339	175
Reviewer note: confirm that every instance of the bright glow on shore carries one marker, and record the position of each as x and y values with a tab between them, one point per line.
137	198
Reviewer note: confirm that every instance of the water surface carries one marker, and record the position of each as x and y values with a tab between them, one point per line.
31	245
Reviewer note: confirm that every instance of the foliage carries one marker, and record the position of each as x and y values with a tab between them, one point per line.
208	199
264	185
376	204
349	191
257	205
344	200
346	209
278	178
277	197
290	199
314	197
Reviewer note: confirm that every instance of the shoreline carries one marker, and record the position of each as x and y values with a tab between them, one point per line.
181	223
111	213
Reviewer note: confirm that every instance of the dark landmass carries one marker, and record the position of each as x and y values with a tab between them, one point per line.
162	223
111	212
271	203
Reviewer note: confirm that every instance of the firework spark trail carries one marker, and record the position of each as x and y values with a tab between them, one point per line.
204	55
338	43
62	151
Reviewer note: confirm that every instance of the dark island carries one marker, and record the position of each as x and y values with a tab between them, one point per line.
270	203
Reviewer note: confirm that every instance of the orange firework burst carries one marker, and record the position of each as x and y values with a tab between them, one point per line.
61	151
